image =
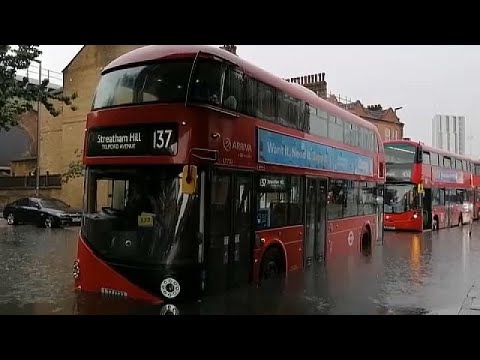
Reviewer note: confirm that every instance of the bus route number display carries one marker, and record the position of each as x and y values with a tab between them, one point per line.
160	139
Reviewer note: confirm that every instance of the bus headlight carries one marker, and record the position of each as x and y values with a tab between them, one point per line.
170	288
415	216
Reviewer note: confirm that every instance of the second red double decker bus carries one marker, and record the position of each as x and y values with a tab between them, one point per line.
205	172
426	188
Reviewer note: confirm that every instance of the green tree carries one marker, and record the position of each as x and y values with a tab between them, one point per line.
18	97
75	168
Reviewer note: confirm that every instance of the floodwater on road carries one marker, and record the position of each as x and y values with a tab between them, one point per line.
429	273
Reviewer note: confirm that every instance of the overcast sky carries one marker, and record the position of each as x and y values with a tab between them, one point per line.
424	80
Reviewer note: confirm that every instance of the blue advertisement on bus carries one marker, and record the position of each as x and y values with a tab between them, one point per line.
279	149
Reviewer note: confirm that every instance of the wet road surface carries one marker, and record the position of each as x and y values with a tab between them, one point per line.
430	273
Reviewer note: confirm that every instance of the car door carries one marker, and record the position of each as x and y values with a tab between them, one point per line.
32	211
20	210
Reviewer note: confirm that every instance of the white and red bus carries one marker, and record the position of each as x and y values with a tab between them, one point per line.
426	188
205	172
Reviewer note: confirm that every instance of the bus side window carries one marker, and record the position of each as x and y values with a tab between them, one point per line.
458	164
426	158
435	197
232	95
367	197
447	162
288	110
336	199
318	122
351	189
207	82
250	97
335	128
295	202
266	106
442	196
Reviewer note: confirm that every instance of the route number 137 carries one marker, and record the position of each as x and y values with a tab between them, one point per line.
161	139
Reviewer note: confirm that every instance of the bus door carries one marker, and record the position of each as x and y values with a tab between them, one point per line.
449	204
230	245
427	209
315	220
379	211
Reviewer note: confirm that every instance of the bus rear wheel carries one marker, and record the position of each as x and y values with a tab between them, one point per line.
366	243
272	264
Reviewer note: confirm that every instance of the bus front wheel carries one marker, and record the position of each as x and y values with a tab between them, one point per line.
272	264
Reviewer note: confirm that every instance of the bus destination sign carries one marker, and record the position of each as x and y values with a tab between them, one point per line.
160	139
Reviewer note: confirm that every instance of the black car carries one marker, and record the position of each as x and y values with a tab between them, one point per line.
43	212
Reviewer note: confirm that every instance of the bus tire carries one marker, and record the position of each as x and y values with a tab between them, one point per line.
435	223
273	264
366	245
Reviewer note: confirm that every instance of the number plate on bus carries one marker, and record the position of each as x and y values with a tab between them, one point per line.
145	220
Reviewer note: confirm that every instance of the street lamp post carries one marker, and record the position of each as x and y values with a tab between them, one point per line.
37	180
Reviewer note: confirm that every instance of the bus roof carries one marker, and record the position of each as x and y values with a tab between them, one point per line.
430	149
157	52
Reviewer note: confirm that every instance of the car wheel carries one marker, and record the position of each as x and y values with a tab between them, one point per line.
11	219
49	222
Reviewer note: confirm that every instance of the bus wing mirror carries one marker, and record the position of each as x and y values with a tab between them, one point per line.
189	179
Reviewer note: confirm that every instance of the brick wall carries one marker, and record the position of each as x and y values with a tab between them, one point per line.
61	138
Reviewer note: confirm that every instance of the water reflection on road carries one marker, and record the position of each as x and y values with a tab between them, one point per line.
408	274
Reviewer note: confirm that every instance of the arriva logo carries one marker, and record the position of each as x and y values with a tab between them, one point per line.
227	144
236	145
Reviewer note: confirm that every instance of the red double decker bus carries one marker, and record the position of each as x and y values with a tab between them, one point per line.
426	188
205	172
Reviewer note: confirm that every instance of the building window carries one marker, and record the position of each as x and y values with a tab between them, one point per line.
387	134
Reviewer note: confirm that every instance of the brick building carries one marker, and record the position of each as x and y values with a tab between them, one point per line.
386	120
62	138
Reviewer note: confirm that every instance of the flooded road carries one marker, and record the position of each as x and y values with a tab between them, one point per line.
430	273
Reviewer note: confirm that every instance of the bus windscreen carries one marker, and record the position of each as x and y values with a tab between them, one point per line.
400	153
